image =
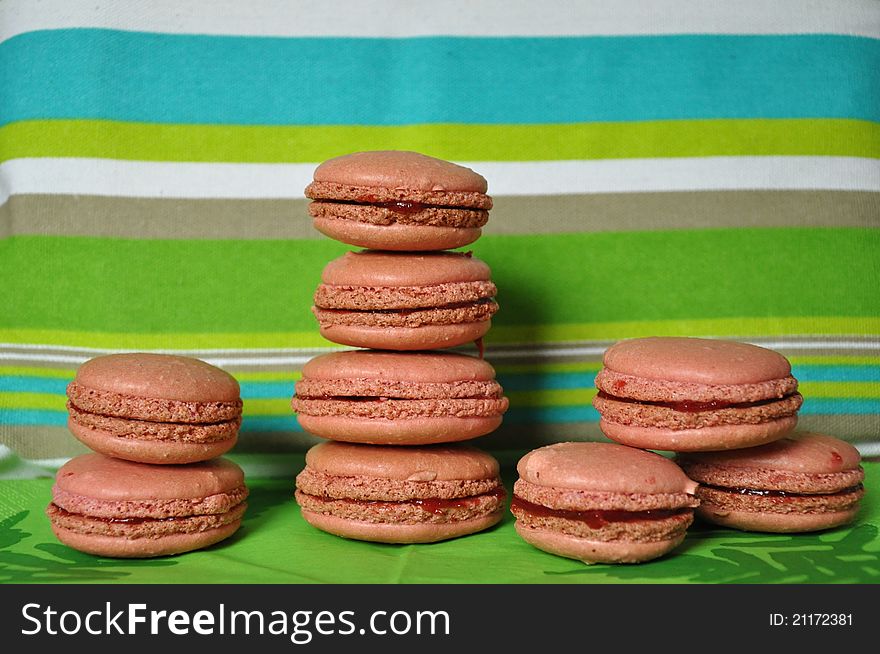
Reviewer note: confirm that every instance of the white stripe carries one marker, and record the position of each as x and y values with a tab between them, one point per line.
298	356
110	177
408	18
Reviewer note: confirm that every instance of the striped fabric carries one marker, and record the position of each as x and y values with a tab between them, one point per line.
658	168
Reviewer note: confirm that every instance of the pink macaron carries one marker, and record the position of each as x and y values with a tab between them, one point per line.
602	502
399	494
695	394
397	200
405	301
154	408
111	507
803	482
398	398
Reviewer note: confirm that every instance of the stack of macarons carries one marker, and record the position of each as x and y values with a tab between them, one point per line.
155	484
394	414
728	411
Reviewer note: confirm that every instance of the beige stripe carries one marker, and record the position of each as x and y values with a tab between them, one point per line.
41	442
85	215
857	429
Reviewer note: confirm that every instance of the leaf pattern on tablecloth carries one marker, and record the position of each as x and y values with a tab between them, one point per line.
841	556
54	562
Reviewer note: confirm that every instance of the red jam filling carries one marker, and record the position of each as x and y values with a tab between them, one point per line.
126	521
692	406
402	206
436	506
595	519
758	492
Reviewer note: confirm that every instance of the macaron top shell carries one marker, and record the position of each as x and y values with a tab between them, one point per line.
416	367
400	170
802	452
603	468
696	360
426	463
104	478
374	268
160	376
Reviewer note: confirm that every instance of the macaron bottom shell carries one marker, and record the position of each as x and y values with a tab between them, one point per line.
425	337
147	450
414	431
595	551
396	237
704	439
140	548
383	532
772	522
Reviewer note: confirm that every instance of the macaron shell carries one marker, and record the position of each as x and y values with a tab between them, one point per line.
149	451
426	532
593	551
425	337
135	407
433	463
117	547
800	452
417	367
371	268
698	360
773	522
399	169
412	431
603	467
106	478
720	437
160	376
397	237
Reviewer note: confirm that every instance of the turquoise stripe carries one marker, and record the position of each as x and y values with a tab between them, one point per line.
818	372
266	390
42	417
509	381
270	423
555	414
530	415
26	384
170	78
820	406
546	381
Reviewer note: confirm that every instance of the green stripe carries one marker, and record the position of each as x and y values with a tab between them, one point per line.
498	335
45	401
586	286
460	142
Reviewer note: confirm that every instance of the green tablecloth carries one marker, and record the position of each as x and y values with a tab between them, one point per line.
276	546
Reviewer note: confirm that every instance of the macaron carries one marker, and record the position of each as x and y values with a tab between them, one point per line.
602	502
803	482
398	398
399	494
397	200
116	508
695	394
405	301
154	408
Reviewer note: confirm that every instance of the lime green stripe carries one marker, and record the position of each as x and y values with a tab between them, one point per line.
267	407
498	335
544	398
468	142
25	371
839	389
583	286
542	366
45	401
